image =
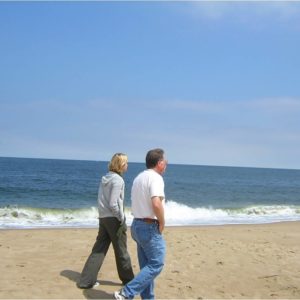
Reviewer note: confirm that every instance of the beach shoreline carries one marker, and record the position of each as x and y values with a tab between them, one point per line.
257	261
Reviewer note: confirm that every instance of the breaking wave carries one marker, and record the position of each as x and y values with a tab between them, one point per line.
176	215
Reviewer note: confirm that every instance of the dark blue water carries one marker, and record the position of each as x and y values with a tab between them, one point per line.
207	193
231	187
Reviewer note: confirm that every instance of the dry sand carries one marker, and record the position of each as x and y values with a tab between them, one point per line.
236	261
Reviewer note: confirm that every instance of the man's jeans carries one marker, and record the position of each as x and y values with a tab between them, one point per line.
151	250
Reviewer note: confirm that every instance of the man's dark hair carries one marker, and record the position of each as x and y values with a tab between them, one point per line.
153	157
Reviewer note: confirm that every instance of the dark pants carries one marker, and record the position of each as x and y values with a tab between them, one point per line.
108	228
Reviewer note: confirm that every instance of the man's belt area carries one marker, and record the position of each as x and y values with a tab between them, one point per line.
148	220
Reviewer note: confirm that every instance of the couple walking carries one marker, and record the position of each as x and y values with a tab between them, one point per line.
147	197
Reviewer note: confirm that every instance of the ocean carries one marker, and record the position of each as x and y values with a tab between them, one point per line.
53	193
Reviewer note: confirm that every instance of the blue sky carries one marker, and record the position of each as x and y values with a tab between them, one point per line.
211	83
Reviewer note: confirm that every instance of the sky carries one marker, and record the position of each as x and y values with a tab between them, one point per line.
213	83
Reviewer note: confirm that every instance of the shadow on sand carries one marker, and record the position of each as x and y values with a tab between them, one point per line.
90	293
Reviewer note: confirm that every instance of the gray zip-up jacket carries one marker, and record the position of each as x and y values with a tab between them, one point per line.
111	196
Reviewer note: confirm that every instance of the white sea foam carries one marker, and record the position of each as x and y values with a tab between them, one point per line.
176	215
18	217
180	214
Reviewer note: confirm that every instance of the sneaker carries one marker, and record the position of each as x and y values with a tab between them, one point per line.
86	287
119	296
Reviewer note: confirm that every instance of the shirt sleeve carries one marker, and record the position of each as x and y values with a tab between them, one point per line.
114	201
157	187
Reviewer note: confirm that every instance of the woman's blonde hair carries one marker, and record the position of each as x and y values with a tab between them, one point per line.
117	162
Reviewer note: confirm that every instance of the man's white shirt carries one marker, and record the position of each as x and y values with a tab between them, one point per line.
146	185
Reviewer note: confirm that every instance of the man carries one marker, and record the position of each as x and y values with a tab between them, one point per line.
147	197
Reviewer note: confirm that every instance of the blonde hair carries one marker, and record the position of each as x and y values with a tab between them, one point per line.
117	162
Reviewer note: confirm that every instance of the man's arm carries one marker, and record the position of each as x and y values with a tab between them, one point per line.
159	212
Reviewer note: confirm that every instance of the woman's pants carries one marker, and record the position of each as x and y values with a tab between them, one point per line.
109	232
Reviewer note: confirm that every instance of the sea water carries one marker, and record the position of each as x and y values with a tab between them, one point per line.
43	193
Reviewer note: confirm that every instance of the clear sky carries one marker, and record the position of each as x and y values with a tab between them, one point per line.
211	83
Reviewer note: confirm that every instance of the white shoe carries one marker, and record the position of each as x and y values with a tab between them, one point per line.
96	284
119	296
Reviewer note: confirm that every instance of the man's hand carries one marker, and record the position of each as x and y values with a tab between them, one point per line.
161	227
159	212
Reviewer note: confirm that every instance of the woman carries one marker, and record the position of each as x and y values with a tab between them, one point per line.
112	226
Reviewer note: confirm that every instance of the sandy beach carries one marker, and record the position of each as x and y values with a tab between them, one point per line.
204	262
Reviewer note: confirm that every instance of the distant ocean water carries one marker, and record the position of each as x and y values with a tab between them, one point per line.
39	193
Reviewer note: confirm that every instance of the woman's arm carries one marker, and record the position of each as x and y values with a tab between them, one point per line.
115	201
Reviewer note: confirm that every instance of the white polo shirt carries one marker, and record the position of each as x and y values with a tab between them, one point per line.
146	185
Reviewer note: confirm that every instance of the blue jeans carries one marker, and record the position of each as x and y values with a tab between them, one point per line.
151	249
